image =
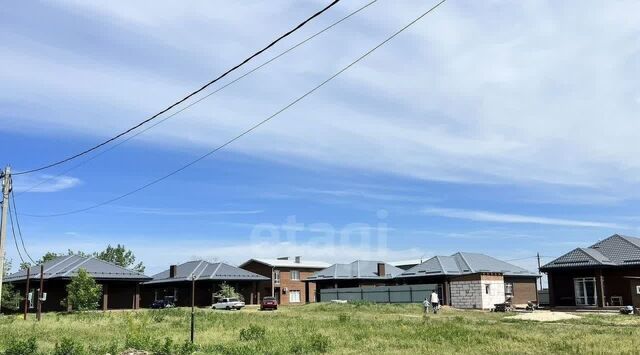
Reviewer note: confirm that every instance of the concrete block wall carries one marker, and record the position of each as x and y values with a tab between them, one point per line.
495	295
473	293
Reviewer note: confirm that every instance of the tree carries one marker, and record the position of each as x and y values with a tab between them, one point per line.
10	297
47	257
83	293
120	256
228	291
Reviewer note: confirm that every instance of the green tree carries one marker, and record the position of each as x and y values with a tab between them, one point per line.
83	293
47	257
228	291
120	256
10	296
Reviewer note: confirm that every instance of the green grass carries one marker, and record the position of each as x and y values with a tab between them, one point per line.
321	328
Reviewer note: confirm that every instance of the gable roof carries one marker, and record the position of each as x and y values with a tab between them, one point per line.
305	264
65	267
204	270
463	263
616	250
359	269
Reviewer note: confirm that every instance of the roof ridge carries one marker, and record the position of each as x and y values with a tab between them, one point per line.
215	271
625	238
118	266
77	265
440	263
583	250
466	262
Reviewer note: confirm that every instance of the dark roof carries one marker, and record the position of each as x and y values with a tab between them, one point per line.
288	263
359	269
204	270
614	251
463	263
65	267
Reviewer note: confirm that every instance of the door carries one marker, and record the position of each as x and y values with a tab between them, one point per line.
294	296
585	291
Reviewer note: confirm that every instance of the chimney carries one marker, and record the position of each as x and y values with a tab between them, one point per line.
381	270
283	258
297	260
173	270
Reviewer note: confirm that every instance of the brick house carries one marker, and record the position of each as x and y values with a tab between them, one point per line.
285	278
120	286
175	283
606	274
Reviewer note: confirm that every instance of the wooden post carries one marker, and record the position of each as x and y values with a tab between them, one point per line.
26	294
193	302
136	297
40	292
105	296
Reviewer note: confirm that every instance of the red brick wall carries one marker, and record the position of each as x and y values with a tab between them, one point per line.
524	289
285	282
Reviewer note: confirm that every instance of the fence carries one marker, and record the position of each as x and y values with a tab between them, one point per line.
380	294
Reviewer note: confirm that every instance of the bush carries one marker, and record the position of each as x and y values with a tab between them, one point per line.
315	343
254	332
82	292
344	318
68	346
22	347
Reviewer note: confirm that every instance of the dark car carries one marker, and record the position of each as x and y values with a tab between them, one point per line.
159	304
269	303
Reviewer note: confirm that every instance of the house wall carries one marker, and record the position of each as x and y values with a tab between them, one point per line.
470	291
285	282
614	283
524	289
204	291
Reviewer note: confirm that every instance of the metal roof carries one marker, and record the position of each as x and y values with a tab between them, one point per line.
359	269
204	270
306	264
616	250
65	267
463	263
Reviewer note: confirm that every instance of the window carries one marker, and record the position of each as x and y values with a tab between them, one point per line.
585	291
295	275
294	296
508	288
276	276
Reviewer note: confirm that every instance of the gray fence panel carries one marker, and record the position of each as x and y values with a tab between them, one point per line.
380	294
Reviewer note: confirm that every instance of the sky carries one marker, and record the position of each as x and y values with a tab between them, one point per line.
500	127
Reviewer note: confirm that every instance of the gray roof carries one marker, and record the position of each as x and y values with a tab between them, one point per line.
359	269
616	250
65	267
463	263
288	263
204	270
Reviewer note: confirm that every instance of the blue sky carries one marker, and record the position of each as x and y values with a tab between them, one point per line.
501	127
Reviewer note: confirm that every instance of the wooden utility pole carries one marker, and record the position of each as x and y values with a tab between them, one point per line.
40	293
538	256
26	294
6	188
193	304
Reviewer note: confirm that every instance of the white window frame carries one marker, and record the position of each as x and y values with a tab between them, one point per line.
276	277
295	292
295	275
508	286
582	300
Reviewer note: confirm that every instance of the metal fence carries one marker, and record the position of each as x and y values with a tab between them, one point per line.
380	294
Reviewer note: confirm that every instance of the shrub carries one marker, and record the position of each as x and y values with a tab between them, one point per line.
254	332
22	347
315	343
68	346
82	292
344	318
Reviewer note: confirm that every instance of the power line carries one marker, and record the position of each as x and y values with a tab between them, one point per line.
531	257
200	99
184	98
13	232
249	130
15	212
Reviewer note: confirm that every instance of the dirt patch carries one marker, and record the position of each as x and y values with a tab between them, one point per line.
545	316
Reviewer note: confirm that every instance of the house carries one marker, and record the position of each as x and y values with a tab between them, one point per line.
120	286
606	274
462	280
175	283
360	273
473	280
286	278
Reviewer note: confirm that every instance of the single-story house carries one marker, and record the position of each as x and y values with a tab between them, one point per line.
360	273
120	286
286	278
175	283
474	280
606	274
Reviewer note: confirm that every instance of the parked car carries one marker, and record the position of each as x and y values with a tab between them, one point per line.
269	303
159	304
228	303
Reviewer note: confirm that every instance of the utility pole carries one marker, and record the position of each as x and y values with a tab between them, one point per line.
538	256
40	293
26	294
6	188
193	303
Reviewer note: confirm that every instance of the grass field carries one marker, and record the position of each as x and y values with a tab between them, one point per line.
320	328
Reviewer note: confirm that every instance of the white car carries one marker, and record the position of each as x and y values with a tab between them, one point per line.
228	303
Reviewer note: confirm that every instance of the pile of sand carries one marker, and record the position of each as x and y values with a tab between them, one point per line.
542	316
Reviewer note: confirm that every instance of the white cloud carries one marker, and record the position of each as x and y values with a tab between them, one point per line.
44	183
487	216
509	92
181	212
